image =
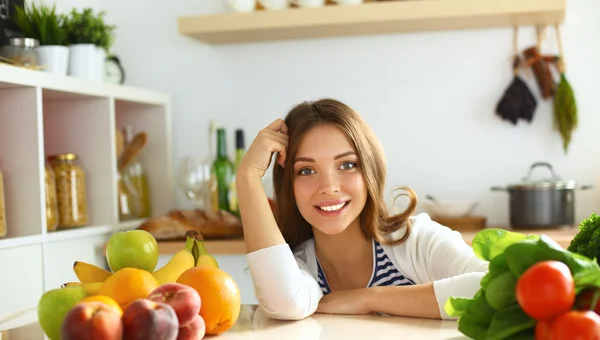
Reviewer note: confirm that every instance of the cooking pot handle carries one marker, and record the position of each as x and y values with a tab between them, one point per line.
536	164
586	187
498	189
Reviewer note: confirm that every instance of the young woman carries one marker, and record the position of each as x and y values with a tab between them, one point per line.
333	246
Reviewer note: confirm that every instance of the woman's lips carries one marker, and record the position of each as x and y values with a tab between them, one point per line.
333	208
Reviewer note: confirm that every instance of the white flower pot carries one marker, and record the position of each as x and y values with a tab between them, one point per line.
87	62
55	59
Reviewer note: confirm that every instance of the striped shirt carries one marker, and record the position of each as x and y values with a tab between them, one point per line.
384	272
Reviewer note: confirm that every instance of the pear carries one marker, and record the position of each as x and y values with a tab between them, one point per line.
54	305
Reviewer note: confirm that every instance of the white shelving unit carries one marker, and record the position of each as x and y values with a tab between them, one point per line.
43	114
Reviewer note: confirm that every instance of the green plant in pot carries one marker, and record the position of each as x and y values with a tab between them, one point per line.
44	24
90	40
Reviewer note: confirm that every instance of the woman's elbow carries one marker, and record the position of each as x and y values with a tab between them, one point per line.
291	307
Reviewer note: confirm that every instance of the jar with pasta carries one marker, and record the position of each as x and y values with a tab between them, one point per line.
70	190
51	204
2	210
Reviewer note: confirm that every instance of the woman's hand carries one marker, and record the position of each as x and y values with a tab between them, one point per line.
273	138
352	301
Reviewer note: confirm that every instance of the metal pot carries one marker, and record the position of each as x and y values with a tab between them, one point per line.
545	203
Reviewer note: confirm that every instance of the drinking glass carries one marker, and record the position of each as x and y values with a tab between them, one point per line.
195	180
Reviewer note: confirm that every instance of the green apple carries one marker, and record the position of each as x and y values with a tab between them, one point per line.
133	249
54	305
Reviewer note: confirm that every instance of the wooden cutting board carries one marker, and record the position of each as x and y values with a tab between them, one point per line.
468	223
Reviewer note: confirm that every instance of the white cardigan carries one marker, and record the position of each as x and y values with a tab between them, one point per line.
286	285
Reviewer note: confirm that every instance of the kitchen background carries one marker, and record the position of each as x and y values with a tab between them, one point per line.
430	97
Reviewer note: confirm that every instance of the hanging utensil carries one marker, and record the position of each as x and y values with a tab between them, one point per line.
565	105
539	65
517	100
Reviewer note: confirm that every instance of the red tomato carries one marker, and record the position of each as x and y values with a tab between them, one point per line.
542	330
576	325
546	290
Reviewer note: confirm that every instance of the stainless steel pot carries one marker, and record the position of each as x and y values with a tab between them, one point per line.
543	203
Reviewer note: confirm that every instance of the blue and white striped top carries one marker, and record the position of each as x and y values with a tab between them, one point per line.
384	273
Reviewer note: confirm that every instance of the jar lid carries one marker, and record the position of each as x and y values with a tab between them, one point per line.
24	42
63	157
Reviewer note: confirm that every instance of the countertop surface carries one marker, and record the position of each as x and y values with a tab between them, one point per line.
253	324
236	246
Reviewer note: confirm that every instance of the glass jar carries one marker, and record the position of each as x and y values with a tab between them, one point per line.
21	51
51	204
2	210
70	190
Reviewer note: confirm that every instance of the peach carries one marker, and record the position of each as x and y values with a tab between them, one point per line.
91	320
194	330
184	299
145	319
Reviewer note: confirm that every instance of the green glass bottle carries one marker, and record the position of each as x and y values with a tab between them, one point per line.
223	170
239	154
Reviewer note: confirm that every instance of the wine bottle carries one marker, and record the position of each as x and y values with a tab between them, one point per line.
239	154
223	170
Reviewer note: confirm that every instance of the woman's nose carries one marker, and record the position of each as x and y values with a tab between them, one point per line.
330	183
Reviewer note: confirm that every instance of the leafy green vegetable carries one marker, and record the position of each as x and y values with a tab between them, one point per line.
587	240
491	242
494	313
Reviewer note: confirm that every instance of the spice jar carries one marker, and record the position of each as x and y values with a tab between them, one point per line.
51	204
70	190
21	51
2	210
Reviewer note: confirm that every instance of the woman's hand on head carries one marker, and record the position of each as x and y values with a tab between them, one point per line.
273	138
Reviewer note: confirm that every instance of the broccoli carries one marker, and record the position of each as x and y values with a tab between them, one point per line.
587	241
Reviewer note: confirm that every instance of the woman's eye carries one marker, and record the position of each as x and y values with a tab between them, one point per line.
305	172
348	165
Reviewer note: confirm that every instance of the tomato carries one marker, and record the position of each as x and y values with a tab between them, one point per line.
576	325
542	330
546	290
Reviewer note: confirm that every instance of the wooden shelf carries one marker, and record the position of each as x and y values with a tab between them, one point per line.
370	18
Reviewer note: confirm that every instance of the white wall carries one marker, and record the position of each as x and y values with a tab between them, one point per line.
429	96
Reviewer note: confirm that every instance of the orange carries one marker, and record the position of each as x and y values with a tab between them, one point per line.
220	296
105	300
128	285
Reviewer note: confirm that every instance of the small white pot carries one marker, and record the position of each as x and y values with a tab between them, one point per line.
86	61
54	58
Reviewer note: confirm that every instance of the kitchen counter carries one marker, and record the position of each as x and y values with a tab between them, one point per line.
253	324
562	236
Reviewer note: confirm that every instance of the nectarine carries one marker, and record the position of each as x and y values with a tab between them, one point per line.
194	330
91	320
145	319
185	300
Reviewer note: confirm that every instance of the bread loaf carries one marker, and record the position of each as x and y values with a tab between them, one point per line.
174	225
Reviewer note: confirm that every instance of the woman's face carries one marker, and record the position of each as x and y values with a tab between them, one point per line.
329	187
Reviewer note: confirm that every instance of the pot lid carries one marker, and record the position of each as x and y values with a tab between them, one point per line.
553	182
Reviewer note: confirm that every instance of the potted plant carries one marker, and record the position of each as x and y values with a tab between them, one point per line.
89	39
45	25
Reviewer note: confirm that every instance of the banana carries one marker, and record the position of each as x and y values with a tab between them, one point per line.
90	288
180	262
203	258
87	272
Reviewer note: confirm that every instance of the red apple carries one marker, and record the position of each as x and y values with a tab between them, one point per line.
194	330
184	299
145	319
91	320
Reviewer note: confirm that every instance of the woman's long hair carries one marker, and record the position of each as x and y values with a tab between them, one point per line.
375	219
